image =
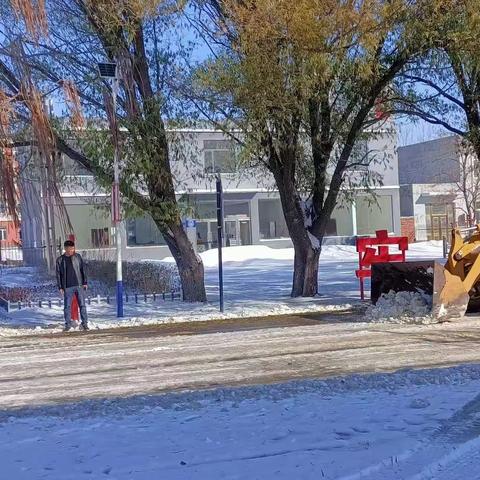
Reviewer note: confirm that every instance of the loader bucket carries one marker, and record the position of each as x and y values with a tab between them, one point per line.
412	276
450	299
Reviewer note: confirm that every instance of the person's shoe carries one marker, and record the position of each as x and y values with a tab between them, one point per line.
85	328
67	328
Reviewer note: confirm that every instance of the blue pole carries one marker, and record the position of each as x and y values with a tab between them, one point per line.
220	237
119	298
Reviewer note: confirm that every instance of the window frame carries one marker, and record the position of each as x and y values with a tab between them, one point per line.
210	148
94	232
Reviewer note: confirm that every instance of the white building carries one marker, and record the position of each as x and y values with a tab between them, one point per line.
430	177
253	213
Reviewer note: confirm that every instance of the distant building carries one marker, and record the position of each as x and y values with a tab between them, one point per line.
9	230
430	199
253	213
9	237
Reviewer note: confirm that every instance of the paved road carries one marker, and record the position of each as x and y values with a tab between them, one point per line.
45	369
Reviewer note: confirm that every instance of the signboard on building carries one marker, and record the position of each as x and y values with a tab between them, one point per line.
189	223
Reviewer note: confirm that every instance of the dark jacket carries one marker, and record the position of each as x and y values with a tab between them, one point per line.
78	267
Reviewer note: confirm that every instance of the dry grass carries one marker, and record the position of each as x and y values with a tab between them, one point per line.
42	130
6	114
34	15
73	101
9	191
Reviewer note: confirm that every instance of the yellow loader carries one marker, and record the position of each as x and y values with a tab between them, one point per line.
457	283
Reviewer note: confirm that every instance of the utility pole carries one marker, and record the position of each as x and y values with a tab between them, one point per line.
109	70
220	237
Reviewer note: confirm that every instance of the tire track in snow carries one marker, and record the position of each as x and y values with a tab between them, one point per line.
450	453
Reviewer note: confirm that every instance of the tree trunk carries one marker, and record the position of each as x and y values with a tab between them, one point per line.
305	273
189	264
305	266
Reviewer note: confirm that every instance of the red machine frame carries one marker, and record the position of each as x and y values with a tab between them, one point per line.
368	254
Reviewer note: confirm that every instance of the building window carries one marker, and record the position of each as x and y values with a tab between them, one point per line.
3	233
100	237
142	231
272	221
373	214
341	222
219	156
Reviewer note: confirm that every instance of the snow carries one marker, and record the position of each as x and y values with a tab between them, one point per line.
402	307
257	282
416	425
241	254
119	362
22	276
420	424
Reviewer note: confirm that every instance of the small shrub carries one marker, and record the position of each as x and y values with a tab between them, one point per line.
138	277
16	294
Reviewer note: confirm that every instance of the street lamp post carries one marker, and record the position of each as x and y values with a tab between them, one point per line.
219	190
109	70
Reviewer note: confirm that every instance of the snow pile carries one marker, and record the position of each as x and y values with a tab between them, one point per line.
402	307
343	253
241	254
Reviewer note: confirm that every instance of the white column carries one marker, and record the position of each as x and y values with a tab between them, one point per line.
354	217
254	220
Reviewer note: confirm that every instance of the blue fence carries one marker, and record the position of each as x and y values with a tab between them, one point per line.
98	300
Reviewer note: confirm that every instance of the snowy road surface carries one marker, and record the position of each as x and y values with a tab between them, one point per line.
49	368
411	425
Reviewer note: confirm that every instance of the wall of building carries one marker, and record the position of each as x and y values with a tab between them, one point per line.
429	162
10	233
408	228
383	147
266	222
374	214
429	173
189	166
89	221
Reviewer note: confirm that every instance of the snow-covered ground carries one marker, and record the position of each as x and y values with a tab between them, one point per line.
21	276
421	424
408	425
257	283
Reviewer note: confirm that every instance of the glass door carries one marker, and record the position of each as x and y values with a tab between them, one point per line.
231	234
245	236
